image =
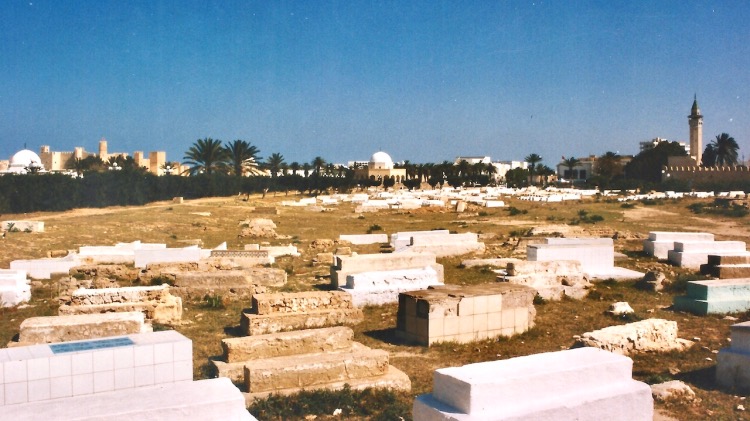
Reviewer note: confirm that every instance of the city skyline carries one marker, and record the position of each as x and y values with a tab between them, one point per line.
422	81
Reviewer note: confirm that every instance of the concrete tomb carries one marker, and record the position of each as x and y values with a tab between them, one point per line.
596	255
724	267
154	301
51	329
120	253
14	287
363	263
440	244
733	363
62	370
45	268
465	313
538	387
23	226
659	243
552	280
694	254
360	239
271	313
650	335
717	296
208	400
400	240
379	278
287	362
144	376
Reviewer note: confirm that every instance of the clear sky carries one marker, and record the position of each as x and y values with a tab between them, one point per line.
425	81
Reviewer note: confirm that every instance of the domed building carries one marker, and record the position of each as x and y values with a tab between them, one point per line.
379	167
23	160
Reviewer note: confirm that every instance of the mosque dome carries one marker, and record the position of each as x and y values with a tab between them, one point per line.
23	159
381	160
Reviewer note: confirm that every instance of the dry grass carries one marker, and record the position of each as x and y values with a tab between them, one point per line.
556	322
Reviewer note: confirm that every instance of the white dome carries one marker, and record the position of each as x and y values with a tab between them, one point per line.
25	158
381	160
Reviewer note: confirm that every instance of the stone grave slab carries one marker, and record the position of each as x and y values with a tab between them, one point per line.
51	329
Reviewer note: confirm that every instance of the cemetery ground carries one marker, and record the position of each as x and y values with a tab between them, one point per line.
215	220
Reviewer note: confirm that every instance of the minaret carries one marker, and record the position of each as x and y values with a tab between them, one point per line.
695	119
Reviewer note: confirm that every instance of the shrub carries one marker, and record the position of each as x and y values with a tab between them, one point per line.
374	227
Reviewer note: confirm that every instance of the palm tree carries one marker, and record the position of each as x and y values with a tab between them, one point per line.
533	159
725	148
306	167
274	163
206	155
318	163
242	157
570	164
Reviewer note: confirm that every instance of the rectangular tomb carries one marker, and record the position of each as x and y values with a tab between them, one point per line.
539	387
465	314
718	296
50	371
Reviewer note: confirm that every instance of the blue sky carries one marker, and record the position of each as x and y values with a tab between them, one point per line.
425	81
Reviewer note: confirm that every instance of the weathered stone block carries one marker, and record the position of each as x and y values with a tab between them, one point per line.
286	343
39	330
311	370
258	324
651	335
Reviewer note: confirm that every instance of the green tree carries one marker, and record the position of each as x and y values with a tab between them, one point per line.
517	177
647	165
533	159
726	149
206	155
608	166
242	157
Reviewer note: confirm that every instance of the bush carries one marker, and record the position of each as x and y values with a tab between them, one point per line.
515	211
374	227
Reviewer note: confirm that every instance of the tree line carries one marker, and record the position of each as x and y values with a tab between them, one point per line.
218	169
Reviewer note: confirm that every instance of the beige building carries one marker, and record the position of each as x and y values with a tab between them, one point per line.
55	161
379	167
